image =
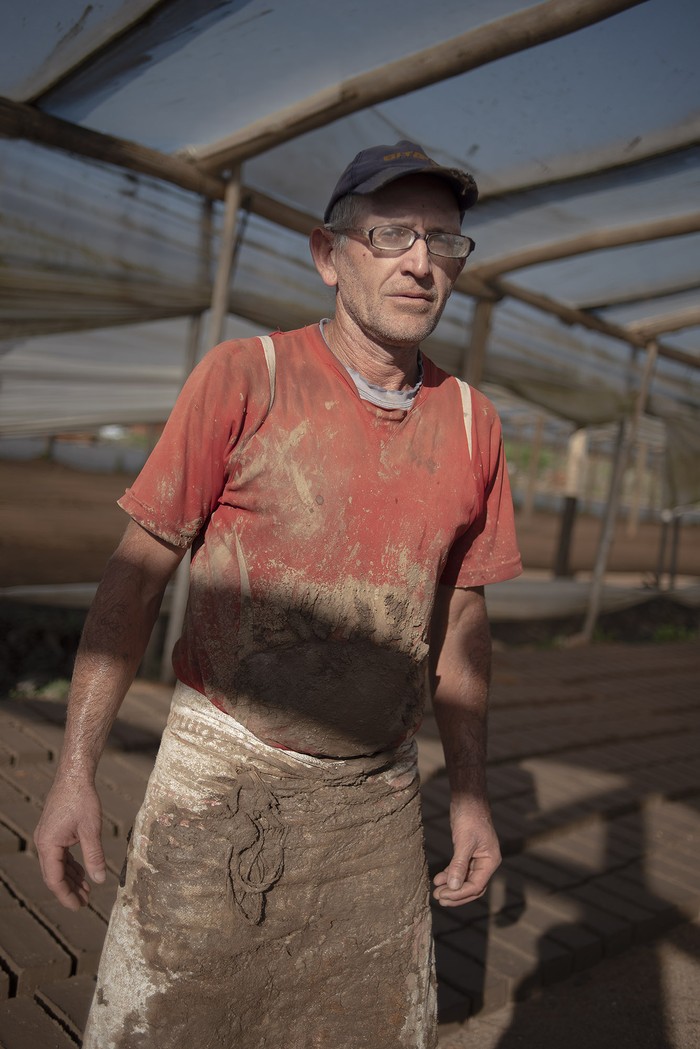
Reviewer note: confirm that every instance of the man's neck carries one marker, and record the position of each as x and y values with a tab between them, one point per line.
391	367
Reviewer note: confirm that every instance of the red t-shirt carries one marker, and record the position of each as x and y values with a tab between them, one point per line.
320	529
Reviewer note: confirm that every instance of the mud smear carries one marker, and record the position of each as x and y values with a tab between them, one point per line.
339	953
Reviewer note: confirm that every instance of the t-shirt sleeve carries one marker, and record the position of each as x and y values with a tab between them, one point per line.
487	552
224	400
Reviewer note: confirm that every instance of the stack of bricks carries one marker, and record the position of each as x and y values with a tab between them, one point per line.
594	775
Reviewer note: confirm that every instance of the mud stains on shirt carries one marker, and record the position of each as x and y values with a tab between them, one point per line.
320	530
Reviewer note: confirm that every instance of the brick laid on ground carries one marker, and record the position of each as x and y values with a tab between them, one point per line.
17	747
25	1025
9	841
29	953
81	933
18	814
68	1001
22	874
485	990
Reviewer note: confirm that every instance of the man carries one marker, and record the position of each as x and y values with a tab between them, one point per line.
345	502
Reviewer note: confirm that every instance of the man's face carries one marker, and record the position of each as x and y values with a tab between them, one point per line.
397	298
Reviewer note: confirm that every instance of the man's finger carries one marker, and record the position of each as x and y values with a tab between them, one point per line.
463	882
63	876
93	858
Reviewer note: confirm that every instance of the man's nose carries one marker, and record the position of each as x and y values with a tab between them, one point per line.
417	259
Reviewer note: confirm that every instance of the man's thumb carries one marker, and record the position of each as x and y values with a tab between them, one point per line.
457	873
94	859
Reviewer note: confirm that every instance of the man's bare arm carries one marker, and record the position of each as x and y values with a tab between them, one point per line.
114	639
461	667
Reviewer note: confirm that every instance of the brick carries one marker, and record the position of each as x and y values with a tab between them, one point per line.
123	772
29	781
438	846
135	767
68	1001
584	946
443	919
20	747
19	815
22	874
664	913
102	897
668	864
485	990
551	958
25	1025
117	807
453	1006
642	919
6	898
81	933
684	900
9	841
28	952
555	876
520	970
48	735
616	932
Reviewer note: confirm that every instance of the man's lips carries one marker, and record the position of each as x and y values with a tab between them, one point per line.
420	296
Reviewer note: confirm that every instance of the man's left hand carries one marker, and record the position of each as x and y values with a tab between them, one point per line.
475	858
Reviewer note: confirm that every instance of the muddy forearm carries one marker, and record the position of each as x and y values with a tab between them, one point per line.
116	633
460	700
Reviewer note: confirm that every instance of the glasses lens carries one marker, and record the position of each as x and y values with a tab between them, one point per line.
391	238
449	245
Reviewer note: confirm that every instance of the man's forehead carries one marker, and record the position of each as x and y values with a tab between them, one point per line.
414	194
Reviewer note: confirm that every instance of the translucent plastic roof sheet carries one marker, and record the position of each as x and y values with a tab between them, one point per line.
586	147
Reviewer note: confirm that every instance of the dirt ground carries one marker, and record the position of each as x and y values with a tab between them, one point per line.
59	525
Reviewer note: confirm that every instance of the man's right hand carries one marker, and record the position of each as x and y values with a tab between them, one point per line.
72	816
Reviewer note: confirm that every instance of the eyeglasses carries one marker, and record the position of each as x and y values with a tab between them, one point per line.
401	238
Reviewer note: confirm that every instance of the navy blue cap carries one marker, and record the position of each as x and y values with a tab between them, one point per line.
377	166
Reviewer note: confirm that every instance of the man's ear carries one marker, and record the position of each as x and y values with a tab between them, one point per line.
322	247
